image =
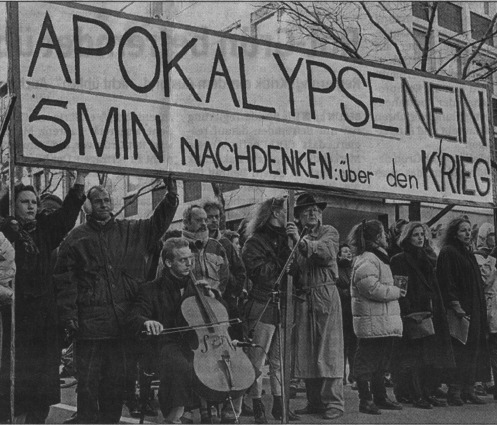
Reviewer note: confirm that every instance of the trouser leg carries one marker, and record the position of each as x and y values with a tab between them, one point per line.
364	391
378	385
313	390
332	393
275	377
415	387
38	415
88	358
263	337
112	384
492	345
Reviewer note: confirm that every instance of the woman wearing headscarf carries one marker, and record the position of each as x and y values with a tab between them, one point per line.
461	286
425	357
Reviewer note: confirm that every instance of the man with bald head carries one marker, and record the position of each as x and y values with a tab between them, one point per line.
100	265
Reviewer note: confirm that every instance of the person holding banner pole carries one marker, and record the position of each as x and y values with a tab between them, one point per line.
37	349
100	266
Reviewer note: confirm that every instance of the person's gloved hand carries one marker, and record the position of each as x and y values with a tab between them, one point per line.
458	310
70	330
10	228
171	185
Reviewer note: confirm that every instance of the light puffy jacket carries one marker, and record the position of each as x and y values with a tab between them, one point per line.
488	273
7	261
375	309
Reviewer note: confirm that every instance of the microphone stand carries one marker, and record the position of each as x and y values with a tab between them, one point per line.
275	296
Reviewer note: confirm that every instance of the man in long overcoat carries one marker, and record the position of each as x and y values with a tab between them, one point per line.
319	352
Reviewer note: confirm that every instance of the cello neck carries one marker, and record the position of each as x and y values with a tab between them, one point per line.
206	310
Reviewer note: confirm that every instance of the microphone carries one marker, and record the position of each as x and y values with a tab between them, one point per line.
237	343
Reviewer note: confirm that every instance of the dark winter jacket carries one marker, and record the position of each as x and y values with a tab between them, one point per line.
211	262
101	267
423	294
160	300
37	346
264	255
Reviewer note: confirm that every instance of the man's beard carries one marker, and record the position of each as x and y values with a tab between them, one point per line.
202	235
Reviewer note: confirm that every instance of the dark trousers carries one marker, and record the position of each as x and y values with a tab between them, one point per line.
349	349
176	378
492	345
101	372
370	364
424	381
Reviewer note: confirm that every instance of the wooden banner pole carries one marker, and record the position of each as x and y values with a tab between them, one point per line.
287	328
12	176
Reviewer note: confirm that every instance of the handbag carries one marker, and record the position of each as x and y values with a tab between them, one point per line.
418	325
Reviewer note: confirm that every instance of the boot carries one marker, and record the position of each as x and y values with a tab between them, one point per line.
454	395
259	413
277	410
468	395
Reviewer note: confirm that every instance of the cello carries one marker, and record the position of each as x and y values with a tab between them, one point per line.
221	370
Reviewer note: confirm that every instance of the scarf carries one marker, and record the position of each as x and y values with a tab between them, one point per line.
380	253
425	258
201	237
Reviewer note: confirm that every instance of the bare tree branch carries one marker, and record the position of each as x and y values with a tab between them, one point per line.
139	192
489	33
426	47
385	34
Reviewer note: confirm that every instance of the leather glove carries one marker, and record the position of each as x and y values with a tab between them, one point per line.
10	228
171	185
458	310
70	330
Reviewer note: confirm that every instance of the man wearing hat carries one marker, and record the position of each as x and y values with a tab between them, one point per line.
319	352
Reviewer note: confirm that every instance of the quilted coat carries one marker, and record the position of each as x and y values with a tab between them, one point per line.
375	309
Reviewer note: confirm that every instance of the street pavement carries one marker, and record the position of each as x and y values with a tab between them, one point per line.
467	414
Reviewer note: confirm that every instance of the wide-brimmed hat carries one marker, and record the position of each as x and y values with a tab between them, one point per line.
306	200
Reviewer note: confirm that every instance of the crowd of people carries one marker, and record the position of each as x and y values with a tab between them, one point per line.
374	302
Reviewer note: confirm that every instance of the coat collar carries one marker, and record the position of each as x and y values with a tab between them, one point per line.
412	262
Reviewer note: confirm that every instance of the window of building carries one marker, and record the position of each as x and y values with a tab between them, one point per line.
37	179
228	187
192	191
450	16
132	183
131	208
446	51
421	9
479	27
158	195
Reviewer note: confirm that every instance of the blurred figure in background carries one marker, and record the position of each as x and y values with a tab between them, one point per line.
345	259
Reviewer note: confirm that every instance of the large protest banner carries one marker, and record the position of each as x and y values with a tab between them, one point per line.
127	94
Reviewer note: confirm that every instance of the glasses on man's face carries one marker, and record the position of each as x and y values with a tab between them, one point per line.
311	210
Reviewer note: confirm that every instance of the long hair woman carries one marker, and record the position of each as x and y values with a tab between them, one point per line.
462	292
376	315
425	357
265	253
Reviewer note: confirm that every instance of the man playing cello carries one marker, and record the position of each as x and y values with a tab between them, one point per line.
159	307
